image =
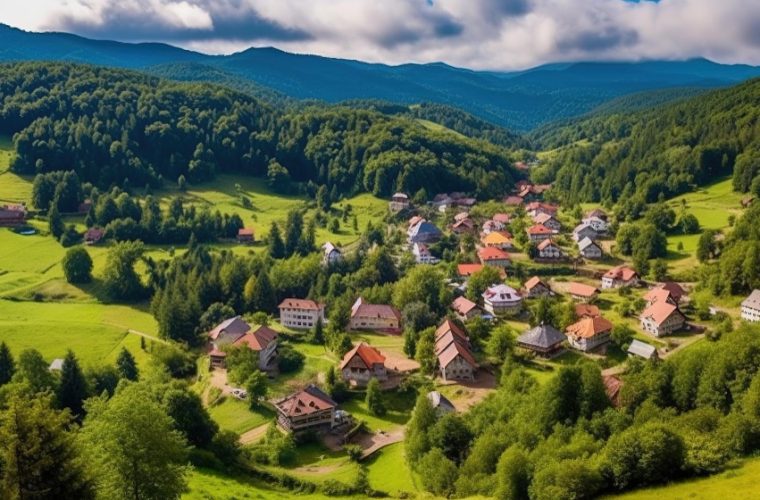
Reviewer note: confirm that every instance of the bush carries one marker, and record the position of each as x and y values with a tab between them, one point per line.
77	266
354	451
177	361
289	360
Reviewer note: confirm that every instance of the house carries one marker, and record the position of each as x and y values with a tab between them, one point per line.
465	309
536	207
497	239
502	218
582	231
538	232
534	287
422	254
301	313
442	202
492	256
262	340
363	363
93	235
330	254
463	226
455	360
751	307
399	202
12	215
309	409
642	350
582	292
380	317
620	276
413	221
547	249
677	293
662	318
502	299
589	250
589	333
549	221
245	236
597	213
440	404
544	340
601	226
513	201
424	232
236	332
491	225
467	270
659	295
586	311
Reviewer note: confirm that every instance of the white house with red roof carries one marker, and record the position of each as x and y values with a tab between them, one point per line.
363	363
465	309
309	409
301	314
492	256
662	318
379	317
502	299
455	360
620	276
589	333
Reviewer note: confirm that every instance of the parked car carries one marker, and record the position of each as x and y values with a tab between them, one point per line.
239	393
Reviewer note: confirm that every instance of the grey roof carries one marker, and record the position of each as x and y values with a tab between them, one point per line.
544	336
585	243
56	365
424	227
753	301
440	402
642	349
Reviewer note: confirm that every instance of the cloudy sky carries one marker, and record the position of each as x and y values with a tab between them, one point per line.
481	34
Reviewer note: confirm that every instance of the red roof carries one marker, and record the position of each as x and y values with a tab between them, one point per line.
660	311
258	339
361	308
300	304
539	229
546	207
305	402
463	305
586	310
623	273
676	290
245	232
492	253
368	354
503	218
468	269
583	290
454	350
513	201
534	282
450	326
589	327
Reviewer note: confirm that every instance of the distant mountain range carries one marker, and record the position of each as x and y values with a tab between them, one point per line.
520	100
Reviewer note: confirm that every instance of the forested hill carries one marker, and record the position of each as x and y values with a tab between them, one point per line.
637	157
111	125
518	100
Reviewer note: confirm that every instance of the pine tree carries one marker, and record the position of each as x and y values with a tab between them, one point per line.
259	293
318	333
126	365
276	245
293	229
7	364
72	389
374	398
55	222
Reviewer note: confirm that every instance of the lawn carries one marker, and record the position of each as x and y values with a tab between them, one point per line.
95	332
739	483
13	188
399	409
388	471
317	361
234	415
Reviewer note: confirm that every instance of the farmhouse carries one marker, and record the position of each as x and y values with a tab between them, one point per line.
463	226
502	299
642	350
497	239
582	292
491	256
662	318
589	333
539	232
399	202
582	231
330	254
309	409
544	340
677	293
659	295
597	224
534	287
620	276
424	232
229	330
236	332
455	360
301	313
548	220
262	340
547	249
501	218
422	254
589	250
245	236
380	317
440	404
536	207
467	270
362	363
93	235
751	307
12	215
465	309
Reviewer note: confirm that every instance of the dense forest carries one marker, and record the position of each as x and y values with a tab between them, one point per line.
111	125
661	151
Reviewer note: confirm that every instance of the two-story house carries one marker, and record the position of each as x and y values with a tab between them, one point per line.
306	410
620	276
662	318
549	250
751	307
301	313
589	333
502	300
379	317
363	363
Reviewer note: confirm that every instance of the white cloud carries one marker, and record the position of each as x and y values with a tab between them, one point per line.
491	34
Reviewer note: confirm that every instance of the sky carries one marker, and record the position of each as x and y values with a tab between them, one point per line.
478	34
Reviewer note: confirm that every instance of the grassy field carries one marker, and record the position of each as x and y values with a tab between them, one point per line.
13	188
437	127
234	415
740	483
387	471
